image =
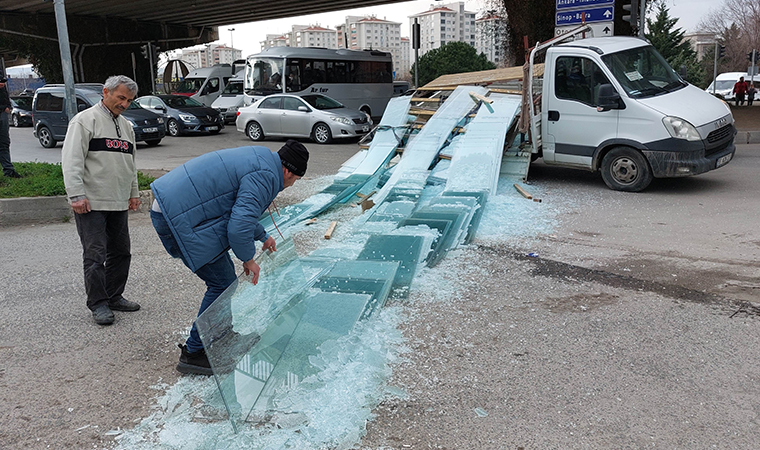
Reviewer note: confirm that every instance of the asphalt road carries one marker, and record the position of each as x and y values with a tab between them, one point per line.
174	151
637	324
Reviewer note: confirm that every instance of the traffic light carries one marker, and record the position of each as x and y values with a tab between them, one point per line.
632	16
751	56
721	51
144	51
156	49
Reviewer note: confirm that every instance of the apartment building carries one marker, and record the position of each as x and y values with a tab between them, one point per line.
445	23
490	38
275	40
313	36
210	55
370	32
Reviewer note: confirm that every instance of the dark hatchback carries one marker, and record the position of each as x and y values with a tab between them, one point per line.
21	115
183	114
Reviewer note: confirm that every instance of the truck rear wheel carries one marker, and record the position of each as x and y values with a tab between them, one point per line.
626	169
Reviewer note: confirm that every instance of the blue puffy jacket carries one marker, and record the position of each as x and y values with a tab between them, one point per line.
213	202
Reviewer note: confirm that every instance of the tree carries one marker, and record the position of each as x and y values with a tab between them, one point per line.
670	42
453	57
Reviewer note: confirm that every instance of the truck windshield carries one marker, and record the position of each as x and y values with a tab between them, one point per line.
233	88
643	73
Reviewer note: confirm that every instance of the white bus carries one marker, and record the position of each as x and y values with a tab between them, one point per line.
360	79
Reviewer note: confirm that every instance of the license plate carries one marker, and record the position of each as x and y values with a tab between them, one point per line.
150	130
365	128
214	128
723	160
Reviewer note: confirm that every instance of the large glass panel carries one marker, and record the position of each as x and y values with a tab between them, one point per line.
404	249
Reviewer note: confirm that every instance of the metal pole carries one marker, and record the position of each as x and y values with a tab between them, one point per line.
417	62
231	30
752	75
642	17
715	68
152	72
68	68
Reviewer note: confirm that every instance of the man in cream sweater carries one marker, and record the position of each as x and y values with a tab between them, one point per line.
100	175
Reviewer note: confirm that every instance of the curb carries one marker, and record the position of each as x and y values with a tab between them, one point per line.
33	210
747	137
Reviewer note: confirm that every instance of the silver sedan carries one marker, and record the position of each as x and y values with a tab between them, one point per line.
313	115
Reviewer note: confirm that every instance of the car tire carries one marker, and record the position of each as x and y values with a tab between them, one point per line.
254	131
321	133
214	132
15	121
626	169
46	137
172	128
153	142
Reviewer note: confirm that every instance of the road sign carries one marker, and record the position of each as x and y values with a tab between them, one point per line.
575	4
603	14
600	29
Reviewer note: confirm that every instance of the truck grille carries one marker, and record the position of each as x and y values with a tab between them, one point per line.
720	134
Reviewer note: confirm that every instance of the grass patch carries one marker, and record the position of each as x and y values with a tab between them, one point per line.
45	180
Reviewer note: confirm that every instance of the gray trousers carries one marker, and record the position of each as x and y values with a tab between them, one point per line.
5	144
106	254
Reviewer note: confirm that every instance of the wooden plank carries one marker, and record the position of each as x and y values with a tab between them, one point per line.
331	229
483	77
427	99
523	192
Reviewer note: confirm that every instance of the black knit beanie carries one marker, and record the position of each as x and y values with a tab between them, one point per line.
294	157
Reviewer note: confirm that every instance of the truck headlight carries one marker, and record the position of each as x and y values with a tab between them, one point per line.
681	129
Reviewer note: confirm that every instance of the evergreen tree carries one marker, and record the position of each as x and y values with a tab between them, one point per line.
669	41
453	57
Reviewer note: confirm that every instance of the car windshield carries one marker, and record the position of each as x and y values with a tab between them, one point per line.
134	105
23	102
643	73
322	102
190	85
233	88
181	102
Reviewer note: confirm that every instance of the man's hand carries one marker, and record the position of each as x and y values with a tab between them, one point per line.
250	267
269	244
134	203
81	206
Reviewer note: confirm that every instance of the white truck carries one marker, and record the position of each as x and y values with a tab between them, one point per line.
206	84
614	105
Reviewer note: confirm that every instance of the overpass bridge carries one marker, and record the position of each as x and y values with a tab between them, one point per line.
106	35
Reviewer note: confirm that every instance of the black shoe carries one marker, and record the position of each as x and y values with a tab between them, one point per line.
13	174
122	304
196	362
102	315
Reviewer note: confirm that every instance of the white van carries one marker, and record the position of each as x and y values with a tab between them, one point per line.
724	84
205	84
231	98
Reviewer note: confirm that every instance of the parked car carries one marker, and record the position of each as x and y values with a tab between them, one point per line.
51	119
314	115
21	115
184	114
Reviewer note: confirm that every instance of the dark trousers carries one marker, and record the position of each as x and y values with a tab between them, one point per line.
218	275
5	144
106	254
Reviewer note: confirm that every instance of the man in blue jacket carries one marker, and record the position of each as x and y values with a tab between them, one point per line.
212	204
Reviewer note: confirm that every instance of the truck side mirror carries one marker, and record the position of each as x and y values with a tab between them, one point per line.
608	98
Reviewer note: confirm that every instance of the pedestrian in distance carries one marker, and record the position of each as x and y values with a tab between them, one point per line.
740	90
5	135
212	204
751	94
100	176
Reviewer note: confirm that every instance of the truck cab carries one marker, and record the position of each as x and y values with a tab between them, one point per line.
613	104
206	84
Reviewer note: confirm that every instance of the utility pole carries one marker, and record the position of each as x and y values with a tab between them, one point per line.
66	65
416	47
231	30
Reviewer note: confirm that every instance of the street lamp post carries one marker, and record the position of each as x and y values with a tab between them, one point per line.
231	30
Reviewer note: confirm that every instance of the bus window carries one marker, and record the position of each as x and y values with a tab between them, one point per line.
263	76
293	76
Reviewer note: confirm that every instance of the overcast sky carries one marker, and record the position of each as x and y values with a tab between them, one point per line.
248	36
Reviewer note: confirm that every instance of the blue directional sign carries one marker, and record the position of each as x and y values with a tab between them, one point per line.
574	4
605	14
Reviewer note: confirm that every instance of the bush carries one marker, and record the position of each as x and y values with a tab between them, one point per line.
45	180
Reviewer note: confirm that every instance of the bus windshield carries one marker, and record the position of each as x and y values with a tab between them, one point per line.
190	85
264	76
643	72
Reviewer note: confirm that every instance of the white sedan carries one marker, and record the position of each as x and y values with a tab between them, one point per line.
313	115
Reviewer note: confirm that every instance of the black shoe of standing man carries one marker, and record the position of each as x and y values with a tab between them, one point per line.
13	174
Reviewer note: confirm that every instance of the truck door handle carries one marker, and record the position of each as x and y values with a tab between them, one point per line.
554	116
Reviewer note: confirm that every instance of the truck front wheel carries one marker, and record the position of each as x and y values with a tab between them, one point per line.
625	169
